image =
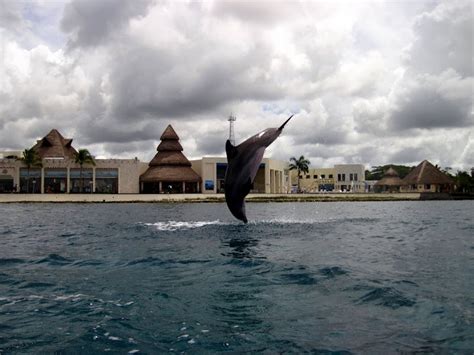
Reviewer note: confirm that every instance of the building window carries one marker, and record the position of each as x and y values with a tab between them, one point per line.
209	185
315	176
323	176
221	169
351	177
81	183
106	181
55	180
355	177
338	177
330	176
308	176
428	186
30	182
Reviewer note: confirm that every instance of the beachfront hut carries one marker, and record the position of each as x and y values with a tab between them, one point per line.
55	146
390	182
427	178
169	171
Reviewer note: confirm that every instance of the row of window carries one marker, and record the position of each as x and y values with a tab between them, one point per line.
340	177
55	181
352	177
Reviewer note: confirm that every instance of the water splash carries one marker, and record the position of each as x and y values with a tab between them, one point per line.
180	225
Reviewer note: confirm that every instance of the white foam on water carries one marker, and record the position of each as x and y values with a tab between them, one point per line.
180	225
171	226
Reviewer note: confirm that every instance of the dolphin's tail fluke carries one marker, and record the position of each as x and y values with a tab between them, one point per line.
283	125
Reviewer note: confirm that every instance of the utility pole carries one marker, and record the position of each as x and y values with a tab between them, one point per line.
231	120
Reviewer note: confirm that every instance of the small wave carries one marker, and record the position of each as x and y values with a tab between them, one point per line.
331	272
10	261
388	297
55	259
178	225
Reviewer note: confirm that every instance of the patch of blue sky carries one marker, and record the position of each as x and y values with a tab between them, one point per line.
281	107
43	20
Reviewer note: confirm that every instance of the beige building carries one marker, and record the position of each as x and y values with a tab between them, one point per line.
60	174
272	176
340	178
63	176
317	179
349	177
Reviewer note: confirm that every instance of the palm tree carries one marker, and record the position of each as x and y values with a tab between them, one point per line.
300	165
30	158
83	157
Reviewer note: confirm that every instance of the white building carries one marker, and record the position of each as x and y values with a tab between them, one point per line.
272	176
349	177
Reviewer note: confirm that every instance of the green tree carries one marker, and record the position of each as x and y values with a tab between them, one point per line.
377	172
83	157
31	159
464	182
300	165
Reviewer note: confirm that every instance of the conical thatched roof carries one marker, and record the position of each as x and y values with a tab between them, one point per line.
169	134
170	164
169	146
54	145
170	173
426	173
390	178
169	158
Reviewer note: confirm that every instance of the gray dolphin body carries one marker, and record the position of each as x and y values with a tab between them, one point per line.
243	162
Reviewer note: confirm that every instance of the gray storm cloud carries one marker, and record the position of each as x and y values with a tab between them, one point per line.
371	83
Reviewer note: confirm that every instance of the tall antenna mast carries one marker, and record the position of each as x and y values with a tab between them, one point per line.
231	120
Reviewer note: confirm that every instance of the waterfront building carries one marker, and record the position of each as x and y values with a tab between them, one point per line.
60	174
349	177
272	175
315	180
169	171
390	182
427	178
340	178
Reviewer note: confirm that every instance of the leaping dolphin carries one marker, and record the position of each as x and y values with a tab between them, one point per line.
243	162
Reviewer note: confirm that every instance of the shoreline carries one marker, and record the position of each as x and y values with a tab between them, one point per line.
216	198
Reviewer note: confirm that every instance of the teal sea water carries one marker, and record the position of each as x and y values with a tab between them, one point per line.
318	278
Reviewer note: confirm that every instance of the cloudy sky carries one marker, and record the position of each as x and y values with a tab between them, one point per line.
372	82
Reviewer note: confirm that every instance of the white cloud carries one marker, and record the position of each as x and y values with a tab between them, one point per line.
373	82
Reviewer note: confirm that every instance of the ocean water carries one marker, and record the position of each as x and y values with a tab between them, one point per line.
374	277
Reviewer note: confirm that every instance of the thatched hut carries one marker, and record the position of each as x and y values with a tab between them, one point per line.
427	178
390	182
54	145
169	171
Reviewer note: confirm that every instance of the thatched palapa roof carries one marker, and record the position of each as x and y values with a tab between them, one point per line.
390	178
54	145
169	163
427	173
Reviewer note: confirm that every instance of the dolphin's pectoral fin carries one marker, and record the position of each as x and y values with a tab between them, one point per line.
230	150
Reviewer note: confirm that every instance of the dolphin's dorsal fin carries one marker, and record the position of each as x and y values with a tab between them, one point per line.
230	150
